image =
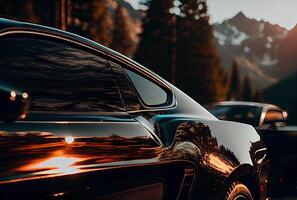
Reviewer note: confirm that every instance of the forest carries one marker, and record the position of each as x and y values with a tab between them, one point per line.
173	38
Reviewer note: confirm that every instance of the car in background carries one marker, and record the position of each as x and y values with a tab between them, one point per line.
270	122
259	115
80	121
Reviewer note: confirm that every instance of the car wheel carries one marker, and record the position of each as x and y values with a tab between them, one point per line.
238	191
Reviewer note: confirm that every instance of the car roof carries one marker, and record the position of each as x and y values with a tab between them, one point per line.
246	103
13	25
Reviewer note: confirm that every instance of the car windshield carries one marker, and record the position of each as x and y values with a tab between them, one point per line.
238	113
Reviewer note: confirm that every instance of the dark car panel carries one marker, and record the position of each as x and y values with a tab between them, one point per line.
92	134
39	151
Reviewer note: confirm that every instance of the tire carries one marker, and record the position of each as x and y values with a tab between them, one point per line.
238	191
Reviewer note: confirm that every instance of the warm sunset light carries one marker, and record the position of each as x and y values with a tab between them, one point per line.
56	162
217	163
25	95
12	94
23	116
69	139
57	165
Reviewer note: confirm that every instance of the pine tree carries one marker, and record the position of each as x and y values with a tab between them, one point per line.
122	39
258	97
197	57
155	49
20	10
247	90
92	19
221	79
235	83
101	29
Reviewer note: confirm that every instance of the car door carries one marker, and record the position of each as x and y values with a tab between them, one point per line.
78	141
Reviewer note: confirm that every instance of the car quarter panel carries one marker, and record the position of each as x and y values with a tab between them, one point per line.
223	151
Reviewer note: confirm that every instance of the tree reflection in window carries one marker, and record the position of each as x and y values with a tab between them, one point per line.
58	77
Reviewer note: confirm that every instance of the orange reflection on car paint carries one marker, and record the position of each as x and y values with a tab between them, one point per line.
219	164
44	154
25	95
23	116
55	165
13	94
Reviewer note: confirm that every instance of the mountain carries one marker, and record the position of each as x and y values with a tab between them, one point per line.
136	15
254	45
288	53
284	94
134	21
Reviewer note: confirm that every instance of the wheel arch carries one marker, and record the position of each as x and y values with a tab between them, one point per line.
247	175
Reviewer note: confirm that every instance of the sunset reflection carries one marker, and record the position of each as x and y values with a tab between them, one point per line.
44	154
69	139
56	165
219	164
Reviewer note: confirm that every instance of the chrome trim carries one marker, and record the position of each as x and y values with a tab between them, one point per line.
40	33
189	173
259	150
76	122
151	110
78	113
145	123
261	159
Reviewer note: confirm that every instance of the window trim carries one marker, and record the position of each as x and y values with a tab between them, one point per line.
125	63
8	33
81	46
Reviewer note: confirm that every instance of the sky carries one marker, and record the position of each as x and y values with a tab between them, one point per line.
282	12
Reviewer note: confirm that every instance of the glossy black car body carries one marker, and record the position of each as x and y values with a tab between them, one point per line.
116	140
270	122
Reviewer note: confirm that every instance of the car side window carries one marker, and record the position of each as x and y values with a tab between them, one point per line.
58	76
150	93
131	100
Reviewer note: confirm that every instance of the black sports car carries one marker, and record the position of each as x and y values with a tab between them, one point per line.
80	121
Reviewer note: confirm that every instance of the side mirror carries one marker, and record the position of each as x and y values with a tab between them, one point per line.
14	104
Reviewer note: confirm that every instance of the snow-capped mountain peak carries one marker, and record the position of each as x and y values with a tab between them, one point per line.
255	41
